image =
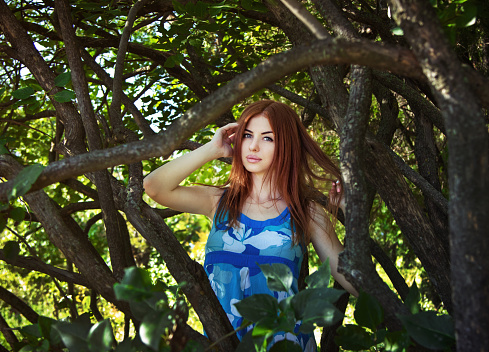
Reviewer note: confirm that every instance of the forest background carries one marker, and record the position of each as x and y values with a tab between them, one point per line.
96	94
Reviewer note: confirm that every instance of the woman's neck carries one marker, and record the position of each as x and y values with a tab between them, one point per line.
262	193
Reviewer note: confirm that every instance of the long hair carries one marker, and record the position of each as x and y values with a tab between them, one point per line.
291	168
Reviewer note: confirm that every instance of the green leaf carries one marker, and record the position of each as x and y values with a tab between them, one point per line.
279	276
31	331
45	325
147	306
247	4
286	318
136	285
101	337
198	9
11	250
257	307
320	313
468	17
321	277
412	299
301	300
286	346
17	214
74	335
265	327
246	344
24	180
397	341
397	31
3	142
173	60
152	327
62	79
23	93
178	6
368	311
353	337
430	330
64	96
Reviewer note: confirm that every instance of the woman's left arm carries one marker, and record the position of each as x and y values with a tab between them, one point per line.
327	245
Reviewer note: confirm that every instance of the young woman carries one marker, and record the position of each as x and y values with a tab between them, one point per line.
266	213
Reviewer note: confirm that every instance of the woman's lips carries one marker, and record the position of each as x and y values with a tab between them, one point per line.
253	159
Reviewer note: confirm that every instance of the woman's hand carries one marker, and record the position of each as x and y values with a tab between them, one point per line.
223	140
336	196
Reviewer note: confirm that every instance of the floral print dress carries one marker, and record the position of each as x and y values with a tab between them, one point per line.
231	262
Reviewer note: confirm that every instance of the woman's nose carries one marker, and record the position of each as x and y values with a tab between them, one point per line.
254	146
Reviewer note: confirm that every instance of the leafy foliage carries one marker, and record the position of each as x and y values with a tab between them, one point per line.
181	52
149	303
311	307
424	327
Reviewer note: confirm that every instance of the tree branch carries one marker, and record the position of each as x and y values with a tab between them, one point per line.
355	261
468	153
32	263
18	304
311	22
115	106
320	52
8	333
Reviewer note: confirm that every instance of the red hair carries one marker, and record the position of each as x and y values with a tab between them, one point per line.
291	168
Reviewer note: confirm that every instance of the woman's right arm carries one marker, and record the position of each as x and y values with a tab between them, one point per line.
163	184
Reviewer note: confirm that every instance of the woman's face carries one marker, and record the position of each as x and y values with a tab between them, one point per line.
258	145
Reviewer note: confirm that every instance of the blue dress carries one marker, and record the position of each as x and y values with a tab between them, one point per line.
231	257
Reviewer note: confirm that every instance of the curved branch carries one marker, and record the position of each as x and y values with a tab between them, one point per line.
307	19
32	263
115	106
428	190
19	305
8	333
412	96
320	52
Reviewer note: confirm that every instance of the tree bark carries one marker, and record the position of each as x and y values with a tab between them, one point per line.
414	225
19	305
66	235
355	262
468	148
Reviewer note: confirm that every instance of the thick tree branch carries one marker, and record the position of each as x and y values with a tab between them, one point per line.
468	152
114	229
413	97
336	19
355	262
18	304
65	234
428	190
320	52
197	288
28	54
415	227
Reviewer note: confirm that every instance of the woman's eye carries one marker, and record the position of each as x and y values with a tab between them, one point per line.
269	139
247	135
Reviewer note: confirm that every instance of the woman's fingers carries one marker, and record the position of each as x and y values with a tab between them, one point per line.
224	138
